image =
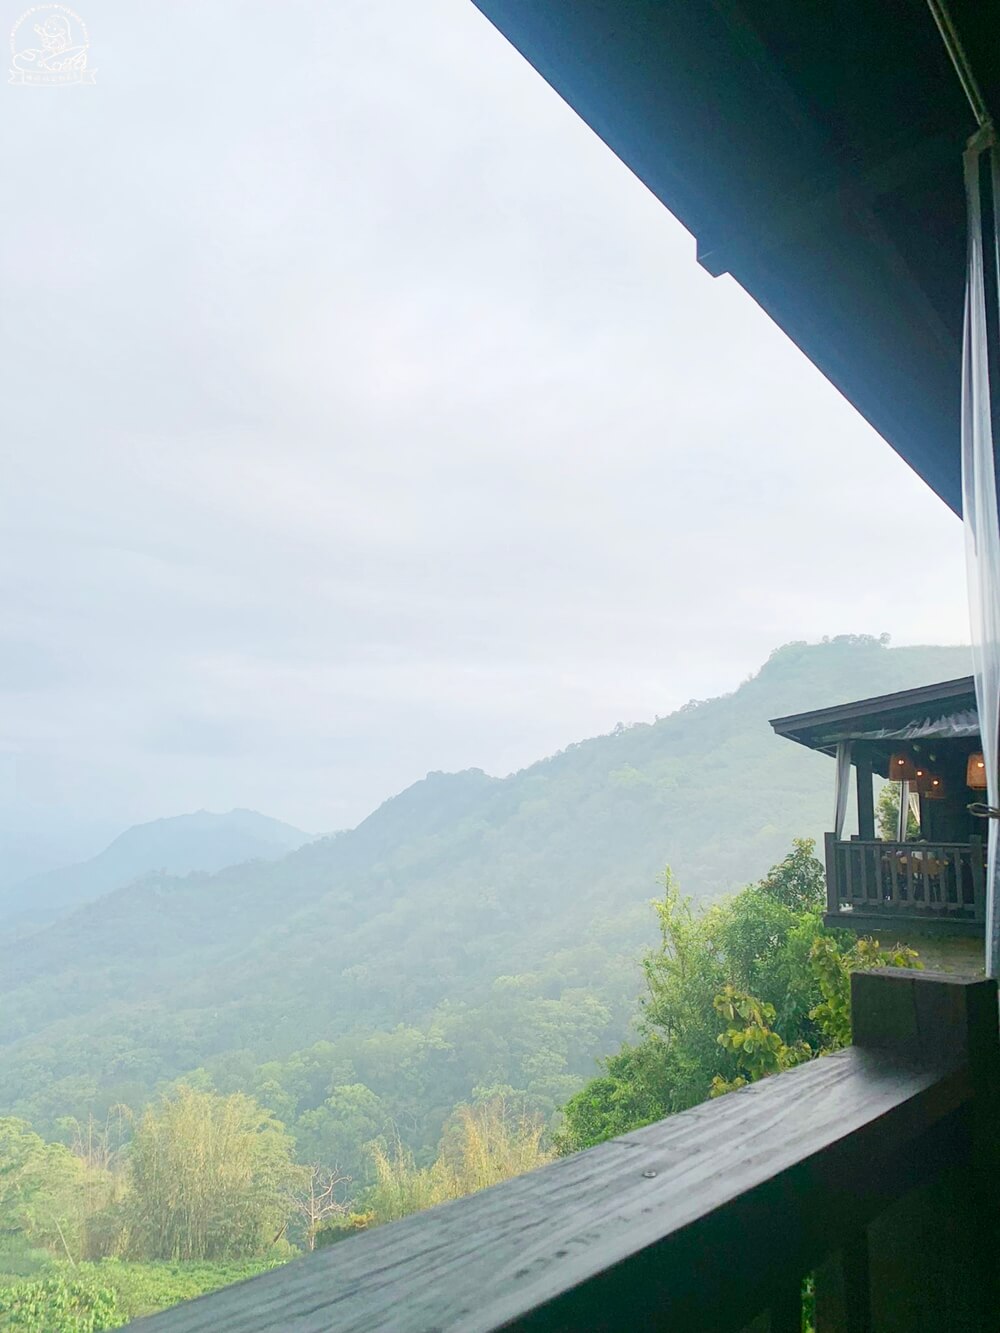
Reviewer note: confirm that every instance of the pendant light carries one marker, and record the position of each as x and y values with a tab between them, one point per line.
975	772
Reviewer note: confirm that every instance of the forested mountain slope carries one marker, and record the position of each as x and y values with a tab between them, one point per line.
471	931
201	841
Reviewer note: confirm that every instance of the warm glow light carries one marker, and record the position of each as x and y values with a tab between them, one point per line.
975	773
933	788
901	768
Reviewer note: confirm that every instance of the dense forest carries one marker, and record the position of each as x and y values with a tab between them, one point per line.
126	1216
414	1008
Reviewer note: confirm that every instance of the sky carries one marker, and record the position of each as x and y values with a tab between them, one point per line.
365	416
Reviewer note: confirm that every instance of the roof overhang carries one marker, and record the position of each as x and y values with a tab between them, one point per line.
880	717
814	150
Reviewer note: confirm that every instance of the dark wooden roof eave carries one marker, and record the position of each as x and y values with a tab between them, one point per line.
871	714
814	152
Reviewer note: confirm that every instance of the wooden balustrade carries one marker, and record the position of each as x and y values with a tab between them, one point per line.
875	1171
939	880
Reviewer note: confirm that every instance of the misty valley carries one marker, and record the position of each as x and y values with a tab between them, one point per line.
227	1041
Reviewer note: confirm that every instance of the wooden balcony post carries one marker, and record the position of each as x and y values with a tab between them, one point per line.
866	799
843	1289
832	889
929	1262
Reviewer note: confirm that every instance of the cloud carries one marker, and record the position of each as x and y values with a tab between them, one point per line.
365	416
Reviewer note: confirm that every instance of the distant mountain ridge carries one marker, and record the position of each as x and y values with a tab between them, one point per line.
34	840
177	845
464	895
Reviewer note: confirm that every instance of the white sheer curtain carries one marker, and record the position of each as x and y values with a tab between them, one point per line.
904	810
843	786
979	504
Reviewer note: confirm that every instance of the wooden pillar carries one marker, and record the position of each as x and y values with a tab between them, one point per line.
832	887
866	799
934	1019
843	1290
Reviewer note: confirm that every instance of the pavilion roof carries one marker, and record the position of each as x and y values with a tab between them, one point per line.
941	712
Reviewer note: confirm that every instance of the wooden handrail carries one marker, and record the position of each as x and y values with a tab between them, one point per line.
699	1222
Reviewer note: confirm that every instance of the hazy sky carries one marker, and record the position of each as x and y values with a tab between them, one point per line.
365	416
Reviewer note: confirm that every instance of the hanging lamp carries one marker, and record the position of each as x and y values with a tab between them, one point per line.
975	772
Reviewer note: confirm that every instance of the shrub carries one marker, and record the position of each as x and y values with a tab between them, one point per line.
58	1305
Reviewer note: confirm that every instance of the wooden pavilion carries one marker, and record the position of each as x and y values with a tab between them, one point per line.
922	880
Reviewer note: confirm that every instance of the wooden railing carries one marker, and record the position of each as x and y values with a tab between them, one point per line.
940	880
873	1171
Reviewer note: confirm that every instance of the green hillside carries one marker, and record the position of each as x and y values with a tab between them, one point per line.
473	931
199	841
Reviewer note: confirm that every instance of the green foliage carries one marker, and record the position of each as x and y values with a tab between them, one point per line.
43	1189
337	1133
401	1187
92	1296
342	1228
756	1049
798	881
833	966
736	992
887	814
640	1080
482	1145
203	1175
208	1178
58	1305
143	1288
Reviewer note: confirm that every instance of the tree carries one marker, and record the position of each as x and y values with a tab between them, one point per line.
314	1200
401	1187
887	814
335	1135
42	1190
102	1148
481	1146
736	992
493	1140
209	1178
100	1145
798	881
